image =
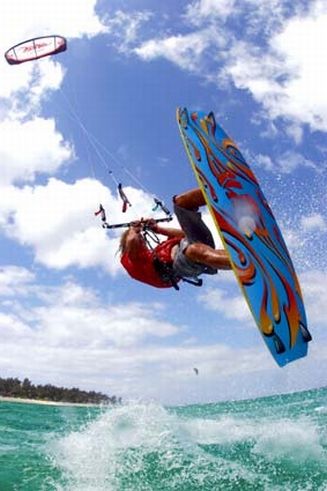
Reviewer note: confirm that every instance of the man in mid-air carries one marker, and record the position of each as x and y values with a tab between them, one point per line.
186	253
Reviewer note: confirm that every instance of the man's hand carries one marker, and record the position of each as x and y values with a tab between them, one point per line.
137	225
151	224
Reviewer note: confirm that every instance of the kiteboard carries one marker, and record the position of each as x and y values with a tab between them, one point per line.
250	235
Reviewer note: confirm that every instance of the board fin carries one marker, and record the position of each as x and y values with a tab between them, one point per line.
305	333
279	345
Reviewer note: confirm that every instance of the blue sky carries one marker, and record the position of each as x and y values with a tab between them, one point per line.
69	314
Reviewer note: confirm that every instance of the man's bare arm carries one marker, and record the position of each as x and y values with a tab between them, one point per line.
169	231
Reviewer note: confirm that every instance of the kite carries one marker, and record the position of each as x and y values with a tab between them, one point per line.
35	48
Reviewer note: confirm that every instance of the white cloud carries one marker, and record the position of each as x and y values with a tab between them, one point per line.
12	328
289	161
89	358
72	316
284	72
314	222
69	336
295	131
161	373
20	21
53	218
186	51
314	284
69	332
289	78
97	327
125	28
44	149
201	10
286	163
301	43
265	162
230	306
57	221
24	87
14	280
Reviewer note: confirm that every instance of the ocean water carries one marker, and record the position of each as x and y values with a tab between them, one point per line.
273	443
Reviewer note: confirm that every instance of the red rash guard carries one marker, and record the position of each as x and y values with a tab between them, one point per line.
143	269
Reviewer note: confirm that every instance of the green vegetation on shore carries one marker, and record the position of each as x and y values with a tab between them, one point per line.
13	387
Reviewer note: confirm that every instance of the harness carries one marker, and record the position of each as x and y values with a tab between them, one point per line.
165	268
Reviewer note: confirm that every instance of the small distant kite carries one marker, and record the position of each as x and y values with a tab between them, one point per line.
196	371
36	48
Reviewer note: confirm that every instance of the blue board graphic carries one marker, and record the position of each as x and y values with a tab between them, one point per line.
250	234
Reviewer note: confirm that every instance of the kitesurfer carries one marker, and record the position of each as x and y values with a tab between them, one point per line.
185	254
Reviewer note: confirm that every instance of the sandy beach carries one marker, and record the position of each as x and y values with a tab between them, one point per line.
45	403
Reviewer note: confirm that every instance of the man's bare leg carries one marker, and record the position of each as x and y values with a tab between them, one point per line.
204	254
191	200
198	252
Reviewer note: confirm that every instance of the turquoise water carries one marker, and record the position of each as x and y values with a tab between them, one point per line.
274	443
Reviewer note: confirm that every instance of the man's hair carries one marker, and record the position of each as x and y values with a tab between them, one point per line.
122	242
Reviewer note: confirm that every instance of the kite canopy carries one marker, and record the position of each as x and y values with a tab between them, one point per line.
36	48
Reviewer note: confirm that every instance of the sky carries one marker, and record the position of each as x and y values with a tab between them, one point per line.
69	314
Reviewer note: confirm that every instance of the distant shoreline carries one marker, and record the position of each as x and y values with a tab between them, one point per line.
47	402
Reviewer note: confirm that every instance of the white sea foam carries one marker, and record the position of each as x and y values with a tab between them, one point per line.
142	446
130	442
274	439
296	441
